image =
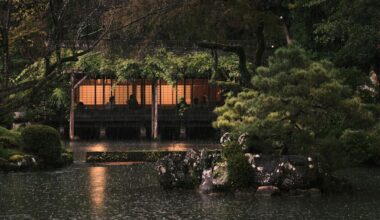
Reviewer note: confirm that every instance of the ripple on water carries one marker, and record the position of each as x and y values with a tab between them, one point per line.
132	192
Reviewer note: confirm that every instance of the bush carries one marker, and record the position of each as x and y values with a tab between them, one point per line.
44	142
10	139
231	150
7	120
240	172
7	153
360	146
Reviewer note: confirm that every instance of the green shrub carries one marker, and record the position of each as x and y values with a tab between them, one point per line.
7	120
7	153
360	146
10	142
331	154
240	172
230	150
44	142
10	139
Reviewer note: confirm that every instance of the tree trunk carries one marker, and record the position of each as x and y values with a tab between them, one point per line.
377	62
245	77
287	33
72	109
260	44
154	110
5	44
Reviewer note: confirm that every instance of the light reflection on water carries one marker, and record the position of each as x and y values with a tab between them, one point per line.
133	192
81	147
98	182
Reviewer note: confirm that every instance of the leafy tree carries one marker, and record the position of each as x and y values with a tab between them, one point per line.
346	31
296	105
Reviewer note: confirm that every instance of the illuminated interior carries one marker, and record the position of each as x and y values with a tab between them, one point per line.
99	92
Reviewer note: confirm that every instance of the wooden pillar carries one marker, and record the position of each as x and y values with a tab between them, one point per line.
72	108
72	105
154	110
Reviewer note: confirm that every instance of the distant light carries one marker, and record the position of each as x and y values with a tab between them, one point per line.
281	17
272	46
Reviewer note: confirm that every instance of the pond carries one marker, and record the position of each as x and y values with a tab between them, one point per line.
131	191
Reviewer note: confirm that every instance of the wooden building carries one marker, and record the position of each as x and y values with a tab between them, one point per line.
104	106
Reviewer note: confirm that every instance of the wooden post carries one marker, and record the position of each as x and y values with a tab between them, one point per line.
72	108
154	110
72	105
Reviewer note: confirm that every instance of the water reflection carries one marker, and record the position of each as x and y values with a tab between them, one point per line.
133	192
98	182
81	147
98	147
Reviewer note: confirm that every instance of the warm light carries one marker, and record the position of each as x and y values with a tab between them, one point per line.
97	188
177	147
195	90
167	95
99	147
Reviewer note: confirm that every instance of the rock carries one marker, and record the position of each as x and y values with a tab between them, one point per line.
220	175
16	158
27	162
185	171
207	182
291	174
288	172
266	191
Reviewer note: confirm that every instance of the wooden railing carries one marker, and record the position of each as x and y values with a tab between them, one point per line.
125	114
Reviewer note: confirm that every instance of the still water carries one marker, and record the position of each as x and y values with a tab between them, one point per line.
131	191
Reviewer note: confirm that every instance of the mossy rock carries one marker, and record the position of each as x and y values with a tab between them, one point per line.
7	153
16	158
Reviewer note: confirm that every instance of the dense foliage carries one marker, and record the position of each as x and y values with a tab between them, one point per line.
301	106
44	142
161	64
318	101
9	139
